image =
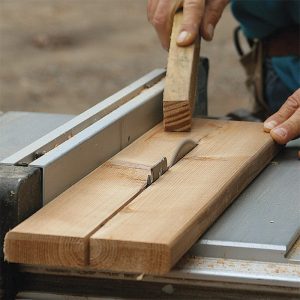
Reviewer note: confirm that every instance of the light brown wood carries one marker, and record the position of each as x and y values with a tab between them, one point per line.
180	86
59	233
163	222
109	222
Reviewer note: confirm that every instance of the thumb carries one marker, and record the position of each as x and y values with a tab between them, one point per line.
288	130
285	124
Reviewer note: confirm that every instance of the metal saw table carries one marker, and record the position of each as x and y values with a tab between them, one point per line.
252	251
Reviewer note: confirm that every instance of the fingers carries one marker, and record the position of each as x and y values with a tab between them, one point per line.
197	14
212	15
151	8
288	130
286	110
160	15
285	124
193	11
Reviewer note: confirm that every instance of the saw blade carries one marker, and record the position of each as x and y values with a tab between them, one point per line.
184	148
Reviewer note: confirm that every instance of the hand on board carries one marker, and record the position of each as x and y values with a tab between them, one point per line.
284	125
198	15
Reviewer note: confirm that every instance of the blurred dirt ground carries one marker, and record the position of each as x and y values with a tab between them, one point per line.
64	56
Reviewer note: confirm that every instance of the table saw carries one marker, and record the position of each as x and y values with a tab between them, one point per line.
252	250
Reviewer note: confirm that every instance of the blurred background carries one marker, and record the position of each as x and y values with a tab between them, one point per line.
64	56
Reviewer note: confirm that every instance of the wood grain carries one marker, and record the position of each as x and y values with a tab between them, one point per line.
58	234
180	86
109	221
163	222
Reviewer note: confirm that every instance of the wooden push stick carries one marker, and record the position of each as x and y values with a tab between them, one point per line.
179	93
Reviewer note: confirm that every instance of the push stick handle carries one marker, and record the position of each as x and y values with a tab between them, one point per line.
180	86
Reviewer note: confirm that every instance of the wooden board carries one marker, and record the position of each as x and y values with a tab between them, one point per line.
59	233
109	221
180	86
162	223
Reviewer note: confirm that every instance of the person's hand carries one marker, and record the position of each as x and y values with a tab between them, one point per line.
198	15
284	125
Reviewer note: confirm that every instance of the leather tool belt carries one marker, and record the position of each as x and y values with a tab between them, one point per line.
284	42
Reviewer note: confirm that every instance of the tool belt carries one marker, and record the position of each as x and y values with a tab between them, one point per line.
284	42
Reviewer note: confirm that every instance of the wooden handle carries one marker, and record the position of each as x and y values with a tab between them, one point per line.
180	86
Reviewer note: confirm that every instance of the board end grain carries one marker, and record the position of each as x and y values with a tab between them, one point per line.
125	256
45	250
177	116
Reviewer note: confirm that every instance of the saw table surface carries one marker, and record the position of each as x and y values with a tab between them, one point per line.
19	129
